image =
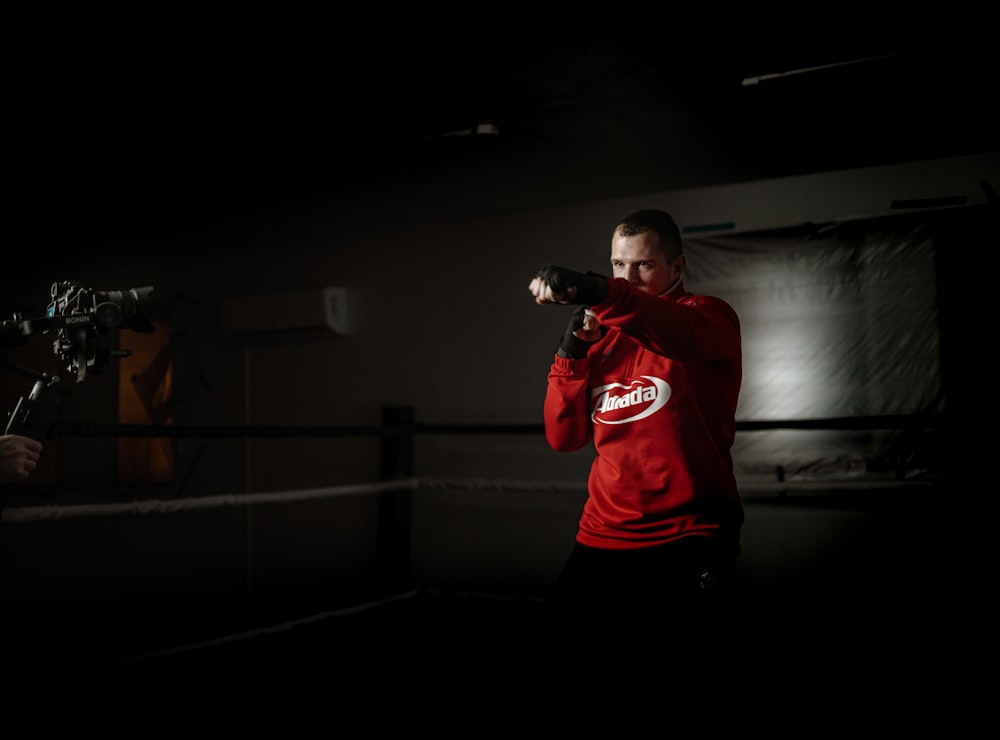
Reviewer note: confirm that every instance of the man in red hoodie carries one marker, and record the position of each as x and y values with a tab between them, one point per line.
651	374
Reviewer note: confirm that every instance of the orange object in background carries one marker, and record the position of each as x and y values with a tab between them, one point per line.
144	397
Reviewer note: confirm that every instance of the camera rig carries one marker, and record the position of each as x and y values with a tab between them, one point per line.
82	320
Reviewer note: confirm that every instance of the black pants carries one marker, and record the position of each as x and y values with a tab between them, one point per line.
689	583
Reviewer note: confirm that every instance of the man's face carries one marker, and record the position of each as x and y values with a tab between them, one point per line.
641	260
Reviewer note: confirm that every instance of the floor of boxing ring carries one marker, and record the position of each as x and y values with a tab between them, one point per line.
425	640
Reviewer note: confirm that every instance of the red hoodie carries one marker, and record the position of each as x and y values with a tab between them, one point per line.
657	395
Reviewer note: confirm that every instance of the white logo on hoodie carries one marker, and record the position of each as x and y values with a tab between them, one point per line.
617	403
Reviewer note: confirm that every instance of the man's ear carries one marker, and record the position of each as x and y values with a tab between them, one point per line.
678	266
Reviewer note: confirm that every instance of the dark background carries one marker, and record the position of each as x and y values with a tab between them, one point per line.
123	130
159	124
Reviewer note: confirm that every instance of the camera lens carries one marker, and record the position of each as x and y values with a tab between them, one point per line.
131	308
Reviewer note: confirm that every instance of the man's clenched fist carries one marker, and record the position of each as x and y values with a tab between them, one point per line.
554	284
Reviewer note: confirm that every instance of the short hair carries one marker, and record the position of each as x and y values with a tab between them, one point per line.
659	222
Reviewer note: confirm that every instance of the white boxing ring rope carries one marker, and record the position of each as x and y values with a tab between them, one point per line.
22	514
25	514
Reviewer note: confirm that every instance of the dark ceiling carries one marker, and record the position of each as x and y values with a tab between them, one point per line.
146	134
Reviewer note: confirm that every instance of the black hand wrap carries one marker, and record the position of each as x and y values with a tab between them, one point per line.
590	288
571	346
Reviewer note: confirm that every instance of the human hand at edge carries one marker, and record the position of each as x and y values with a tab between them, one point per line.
19	457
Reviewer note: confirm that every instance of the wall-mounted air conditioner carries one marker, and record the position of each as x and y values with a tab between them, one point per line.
305	311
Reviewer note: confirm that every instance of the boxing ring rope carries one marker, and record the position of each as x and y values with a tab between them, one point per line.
26	514
259	632
405	593
398	431
393	569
